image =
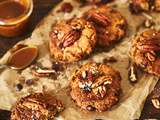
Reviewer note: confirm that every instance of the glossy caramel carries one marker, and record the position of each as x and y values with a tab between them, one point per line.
11	9
23	57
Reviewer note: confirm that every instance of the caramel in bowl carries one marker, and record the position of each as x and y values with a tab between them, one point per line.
14	16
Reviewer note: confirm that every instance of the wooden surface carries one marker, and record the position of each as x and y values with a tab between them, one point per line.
41	8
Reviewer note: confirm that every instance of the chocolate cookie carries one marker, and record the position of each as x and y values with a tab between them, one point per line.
137	6
110	24
72	40
95	87
145	51
36	106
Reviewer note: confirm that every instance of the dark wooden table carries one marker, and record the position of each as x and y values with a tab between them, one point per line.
41	9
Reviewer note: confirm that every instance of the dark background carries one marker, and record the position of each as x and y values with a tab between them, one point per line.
41	9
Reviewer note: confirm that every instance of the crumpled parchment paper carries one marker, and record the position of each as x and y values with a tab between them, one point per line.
133	96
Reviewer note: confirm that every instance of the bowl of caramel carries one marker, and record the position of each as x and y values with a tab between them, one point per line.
14	15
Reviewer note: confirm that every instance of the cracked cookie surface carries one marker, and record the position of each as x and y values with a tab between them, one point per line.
145	51
72	40
109	23
137	6
95	87
36	106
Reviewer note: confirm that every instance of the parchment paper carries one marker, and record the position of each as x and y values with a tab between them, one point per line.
133	96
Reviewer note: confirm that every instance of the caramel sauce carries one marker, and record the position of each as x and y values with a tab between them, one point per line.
23	57
11	9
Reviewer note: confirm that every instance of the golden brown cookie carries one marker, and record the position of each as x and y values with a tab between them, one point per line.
95	87
137	6
145	51
36	106
72	40
110	24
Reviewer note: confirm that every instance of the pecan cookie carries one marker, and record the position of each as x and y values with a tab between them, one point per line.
110	24
137	6
36	106
145	51
72	40
95	87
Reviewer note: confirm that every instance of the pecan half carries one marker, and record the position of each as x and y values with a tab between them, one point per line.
100	91
40	72
102	81
99	19
69	38
148	48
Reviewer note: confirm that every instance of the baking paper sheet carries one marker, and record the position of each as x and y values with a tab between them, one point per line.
133	96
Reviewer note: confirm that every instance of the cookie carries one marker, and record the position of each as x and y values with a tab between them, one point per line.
137	6
72	40
110	24
36	106
145	51
95	87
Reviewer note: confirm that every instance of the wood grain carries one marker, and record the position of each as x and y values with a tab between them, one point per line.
41	9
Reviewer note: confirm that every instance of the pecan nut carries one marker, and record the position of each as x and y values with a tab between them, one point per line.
99	18
148	48
156	103
133	77
151	57
69	38
102	81
40	72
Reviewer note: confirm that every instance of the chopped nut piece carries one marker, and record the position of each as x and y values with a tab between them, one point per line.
37	106
156	103
84	74
41	72
151	57
133	74
102	81
68	37
148	23
99	91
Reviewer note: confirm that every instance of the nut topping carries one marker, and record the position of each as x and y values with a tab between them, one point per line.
156	103
145	51
84	74
132	73
151	57
72	40
103	80
69	39
42	72
147	48
99	18
100	91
